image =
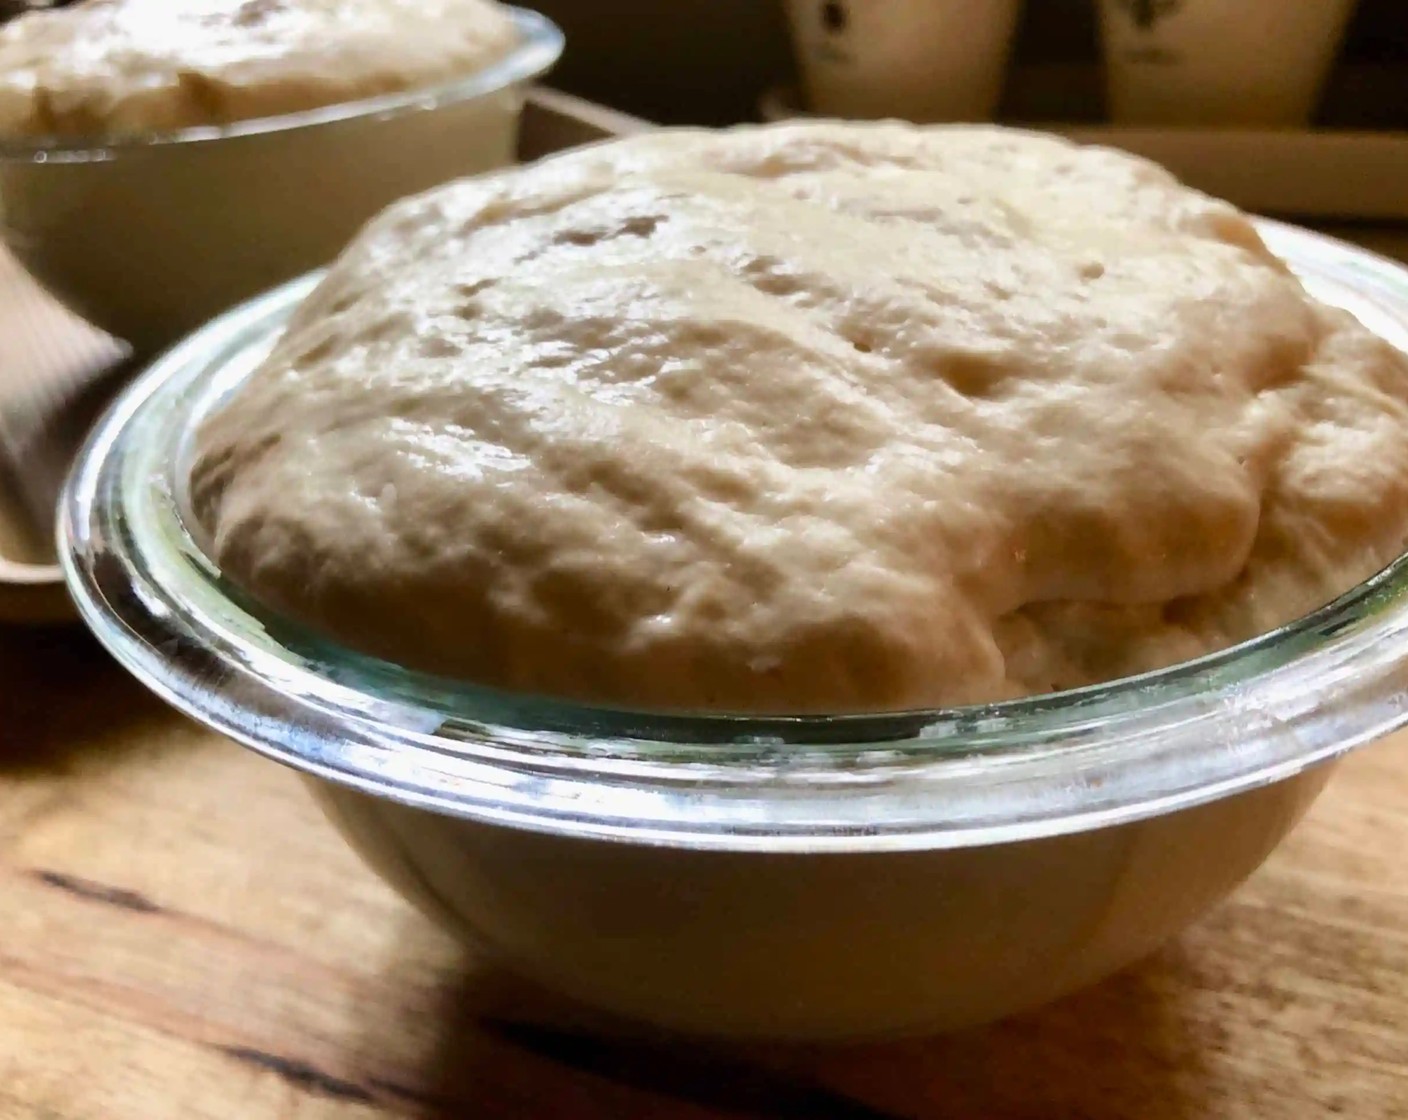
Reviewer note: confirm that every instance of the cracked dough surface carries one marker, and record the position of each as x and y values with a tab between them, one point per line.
122	67
811	417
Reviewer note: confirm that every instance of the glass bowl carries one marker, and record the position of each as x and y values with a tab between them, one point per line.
150	237
819	877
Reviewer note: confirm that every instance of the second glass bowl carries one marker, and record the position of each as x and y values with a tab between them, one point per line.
150	237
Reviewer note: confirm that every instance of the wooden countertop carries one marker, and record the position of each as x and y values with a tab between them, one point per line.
186	938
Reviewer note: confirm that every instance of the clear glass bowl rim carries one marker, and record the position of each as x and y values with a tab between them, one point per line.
1020	770
540	45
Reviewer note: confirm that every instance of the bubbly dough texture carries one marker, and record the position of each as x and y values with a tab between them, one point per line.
812	417
122	67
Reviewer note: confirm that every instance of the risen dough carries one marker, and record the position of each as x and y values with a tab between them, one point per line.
812	417
120	67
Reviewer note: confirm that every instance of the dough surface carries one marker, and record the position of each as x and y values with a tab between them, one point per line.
111	68
812	417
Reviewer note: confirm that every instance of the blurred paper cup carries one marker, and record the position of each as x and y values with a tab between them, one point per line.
1219	62
921	60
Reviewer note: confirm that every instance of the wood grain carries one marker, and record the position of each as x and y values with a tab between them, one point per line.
184	937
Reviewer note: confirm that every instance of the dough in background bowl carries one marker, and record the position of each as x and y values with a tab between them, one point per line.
809	418
113	68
